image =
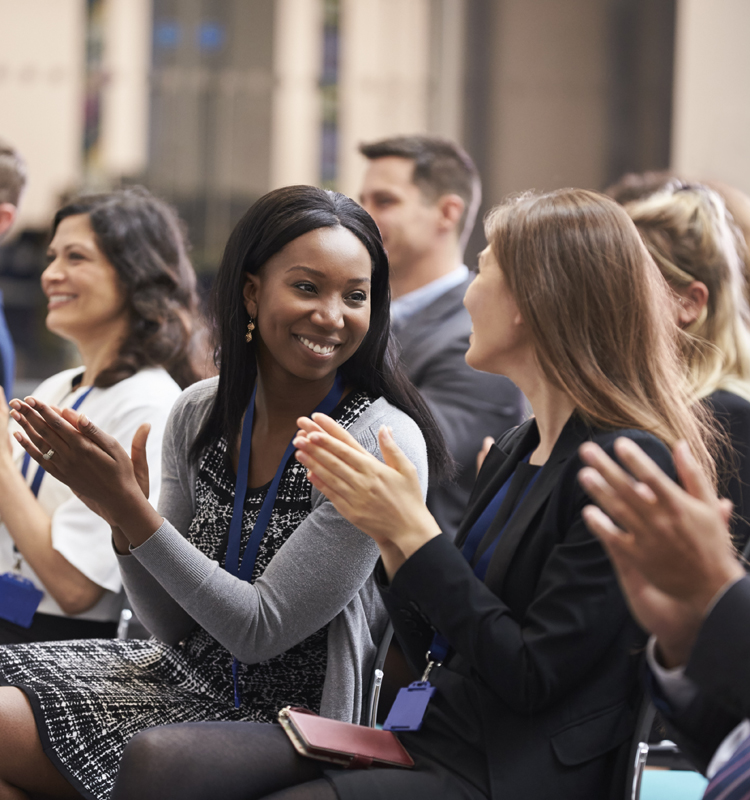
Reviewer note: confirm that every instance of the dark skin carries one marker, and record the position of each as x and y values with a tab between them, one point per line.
316	289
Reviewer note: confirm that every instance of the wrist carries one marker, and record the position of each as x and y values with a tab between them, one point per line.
713	589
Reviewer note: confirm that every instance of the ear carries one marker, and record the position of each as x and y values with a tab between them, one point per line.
692	301
7	217
250	294
451	208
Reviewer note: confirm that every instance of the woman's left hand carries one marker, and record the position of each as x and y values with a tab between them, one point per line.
384	500
90	462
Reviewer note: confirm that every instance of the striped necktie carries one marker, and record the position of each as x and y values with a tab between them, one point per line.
732	781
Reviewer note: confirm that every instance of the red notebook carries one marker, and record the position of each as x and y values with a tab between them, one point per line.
350	746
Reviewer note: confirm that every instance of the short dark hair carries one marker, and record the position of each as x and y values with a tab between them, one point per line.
144	241
440	167
12	174
269	225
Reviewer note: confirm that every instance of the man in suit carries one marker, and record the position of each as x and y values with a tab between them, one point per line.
678	568
12	182
424	193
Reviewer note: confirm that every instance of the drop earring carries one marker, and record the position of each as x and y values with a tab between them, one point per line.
250	329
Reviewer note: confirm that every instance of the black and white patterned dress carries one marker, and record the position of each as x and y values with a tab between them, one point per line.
90	697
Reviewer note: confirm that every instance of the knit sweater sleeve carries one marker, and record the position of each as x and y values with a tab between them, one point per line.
314	575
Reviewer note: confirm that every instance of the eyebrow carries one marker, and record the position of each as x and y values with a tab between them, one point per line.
70	246
318	274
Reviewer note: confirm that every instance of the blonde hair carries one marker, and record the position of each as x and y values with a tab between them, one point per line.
595	305
691	236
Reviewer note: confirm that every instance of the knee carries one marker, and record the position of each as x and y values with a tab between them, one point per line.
150	760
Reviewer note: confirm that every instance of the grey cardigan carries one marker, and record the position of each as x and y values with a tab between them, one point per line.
322	573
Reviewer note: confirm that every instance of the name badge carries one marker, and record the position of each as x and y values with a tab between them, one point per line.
19	599
408	709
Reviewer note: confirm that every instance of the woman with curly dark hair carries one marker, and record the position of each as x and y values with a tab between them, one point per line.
120	286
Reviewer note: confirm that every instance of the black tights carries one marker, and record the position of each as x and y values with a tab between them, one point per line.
230	760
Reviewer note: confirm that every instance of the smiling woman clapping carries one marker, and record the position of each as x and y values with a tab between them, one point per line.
120	287
258	591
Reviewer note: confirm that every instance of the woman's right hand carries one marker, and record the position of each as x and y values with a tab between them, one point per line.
91	463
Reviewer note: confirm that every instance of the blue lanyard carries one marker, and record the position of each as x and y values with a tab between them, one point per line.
440	646
40	473
245	569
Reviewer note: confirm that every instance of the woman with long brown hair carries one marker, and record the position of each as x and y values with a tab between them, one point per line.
530	646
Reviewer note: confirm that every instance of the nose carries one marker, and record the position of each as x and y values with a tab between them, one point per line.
52	272
329	314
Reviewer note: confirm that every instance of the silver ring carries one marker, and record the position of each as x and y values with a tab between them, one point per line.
48	455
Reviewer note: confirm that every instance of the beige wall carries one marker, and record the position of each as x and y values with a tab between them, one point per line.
41	96
548	111
127	60
383	77
296	115
711	127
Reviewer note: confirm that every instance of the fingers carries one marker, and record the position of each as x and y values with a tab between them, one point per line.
34	415
139	458
306	425
31	449
646	471
393	455
691	475
324	469
726	509
621	482
611	499
337	432
107	443
25	416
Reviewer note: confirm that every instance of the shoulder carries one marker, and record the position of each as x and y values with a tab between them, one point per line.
59	382
149	386
571	491
722	400
196	400
650	444
405	430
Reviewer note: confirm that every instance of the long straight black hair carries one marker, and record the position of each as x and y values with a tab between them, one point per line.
271	223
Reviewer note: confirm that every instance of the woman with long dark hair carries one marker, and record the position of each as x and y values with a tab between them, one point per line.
530	656
119	285
258	592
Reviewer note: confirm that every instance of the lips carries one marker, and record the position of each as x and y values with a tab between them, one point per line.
315	347
55	300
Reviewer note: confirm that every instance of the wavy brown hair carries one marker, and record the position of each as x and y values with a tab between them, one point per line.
144	241
598	311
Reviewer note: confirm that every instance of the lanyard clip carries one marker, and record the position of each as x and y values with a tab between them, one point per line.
430	664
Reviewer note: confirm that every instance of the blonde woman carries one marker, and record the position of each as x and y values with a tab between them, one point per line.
691	236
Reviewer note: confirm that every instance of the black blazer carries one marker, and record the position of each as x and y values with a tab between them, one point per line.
719	666
545	655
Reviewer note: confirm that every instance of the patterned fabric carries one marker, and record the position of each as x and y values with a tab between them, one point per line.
732	781
90	697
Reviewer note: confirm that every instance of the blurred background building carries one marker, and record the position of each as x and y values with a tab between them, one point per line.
211	103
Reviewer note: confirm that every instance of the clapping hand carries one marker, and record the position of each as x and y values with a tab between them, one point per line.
671	547
384	500
93	464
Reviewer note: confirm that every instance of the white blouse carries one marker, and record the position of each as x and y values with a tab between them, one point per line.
80	536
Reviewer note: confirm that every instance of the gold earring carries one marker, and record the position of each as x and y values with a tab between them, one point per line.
250	329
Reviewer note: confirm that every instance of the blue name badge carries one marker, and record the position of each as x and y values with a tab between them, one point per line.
19	599
407	711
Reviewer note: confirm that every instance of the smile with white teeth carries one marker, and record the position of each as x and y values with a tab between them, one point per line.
322	350
55	299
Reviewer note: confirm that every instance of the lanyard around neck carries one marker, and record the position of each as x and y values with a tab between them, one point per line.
40	473
245	569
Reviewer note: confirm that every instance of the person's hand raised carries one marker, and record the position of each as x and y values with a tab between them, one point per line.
89	461
671	547
384	500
